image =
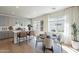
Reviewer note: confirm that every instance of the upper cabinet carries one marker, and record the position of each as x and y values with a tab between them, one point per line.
22	21
4	21
12	21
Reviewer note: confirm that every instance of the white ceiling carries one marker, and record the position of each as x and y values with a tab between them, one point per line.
29	11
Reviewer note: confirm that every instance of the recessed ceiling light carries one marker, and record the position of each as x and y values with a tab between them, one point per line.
54	8
17	6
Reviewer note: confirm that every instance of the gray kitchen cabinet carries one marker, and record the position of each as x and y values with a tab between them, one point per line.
6	34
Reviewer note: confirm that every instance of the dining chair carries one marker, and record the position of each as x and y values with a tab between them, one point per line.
39	38
48	44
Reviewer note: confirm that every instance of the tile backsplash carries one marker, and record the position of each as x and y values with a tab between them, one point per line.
3	28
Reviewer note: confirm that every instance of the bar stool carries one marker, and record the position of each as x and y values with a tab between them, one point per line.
21	35
30	33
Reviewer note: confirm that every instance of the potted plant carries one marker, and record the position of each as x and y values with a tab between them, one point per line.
75	41
10	28
29	27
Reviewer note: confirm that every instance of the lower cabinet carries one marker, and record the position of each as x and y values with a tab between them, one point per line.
6	34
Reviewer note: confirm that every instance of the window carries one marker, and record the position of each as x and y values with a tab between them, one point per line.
56	24
38	25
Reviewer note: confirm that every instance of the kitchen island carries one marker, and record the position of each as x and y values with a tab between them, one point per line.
16	38
6	34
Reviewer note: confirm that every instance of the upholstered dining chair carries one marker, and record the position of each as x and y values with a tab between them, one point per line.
39	38
21	35
47	44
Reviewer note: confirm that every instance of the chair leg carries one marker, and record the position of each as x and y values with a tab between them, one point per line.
26	40
52	49
19	41
36	44
29	38
43	48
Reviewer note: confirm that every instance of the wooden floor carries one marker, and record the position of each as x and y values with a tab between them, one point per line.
7	46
